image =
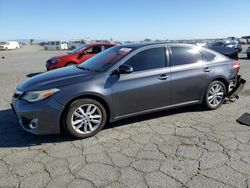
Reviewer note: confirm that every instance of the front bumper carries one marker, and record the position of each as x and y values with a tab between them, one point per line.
45	115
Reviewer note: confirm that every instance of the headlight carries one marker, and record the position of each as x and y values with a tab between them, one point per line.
33	96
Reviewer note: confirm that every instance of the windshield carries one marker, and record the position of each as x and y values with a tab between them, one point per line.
78	49
104	60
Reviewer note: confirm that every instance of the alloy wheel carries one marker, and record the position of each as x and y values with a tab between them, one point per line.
215	95
86	119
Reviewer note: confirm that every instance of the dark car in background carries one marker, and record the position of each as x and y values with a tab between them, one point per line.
229	48
77	56
122	82
248	52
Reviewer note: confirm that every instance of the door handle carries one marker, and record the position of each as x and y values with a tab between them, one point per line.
207	69
163	77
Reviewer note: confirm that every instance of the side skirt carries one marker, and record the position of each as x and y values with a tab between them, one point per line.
155	110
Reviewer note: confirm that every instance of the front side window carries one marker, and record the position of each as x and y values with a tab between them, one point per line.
185	55
148	59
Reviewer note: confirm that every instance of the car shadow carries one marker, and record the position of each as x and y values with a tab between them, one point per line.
155	115
33	74
11	135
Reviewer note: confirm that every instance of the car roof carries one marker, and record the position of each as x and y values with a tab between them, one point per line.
143	44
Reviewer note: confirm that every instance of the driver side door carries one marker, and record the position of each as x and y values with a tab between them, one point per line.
147	87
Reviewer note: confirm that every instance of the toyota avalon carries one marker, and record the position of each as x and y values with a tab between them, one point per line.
121	82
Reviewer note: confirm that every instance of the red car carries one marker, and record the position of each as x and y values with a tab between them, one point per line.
77	56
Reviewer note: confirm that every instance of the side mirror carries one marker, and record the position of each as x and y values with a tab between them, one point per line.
125	69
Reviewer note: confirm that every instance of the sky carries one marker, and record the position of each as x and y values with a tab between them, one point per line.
123	19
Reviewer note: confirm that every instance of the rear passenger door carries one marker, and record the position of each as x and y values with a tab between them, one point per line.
189	74
147	87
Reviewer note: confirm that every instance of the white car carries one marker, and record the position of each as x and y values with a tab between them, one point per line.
75	44
9	45
56	45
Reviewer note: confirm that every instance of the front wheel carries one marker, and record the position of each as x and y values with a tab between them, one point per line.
85	118
215	95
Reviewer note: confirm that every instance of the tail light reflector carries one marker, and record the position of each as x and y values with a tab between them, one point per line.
236	65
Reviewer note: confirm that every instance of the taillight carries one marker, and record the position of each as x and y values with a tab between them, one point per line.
236	65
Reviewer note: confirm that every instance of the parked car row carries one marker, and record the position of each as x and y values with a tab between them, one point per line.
65	45
120	82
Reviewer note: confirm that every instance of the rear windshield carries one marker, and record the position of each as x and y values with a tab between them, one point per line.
104	60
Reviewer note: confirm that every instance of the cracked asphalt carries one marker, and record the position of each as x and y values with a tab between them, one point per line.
186	147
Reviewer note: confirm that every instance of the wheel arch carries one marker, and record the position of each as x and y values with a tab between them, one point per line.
219	78
89	96
223	80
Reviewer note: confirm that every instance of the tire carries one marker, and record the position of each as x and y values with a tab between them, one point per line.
45	48
74	115
57	48
248	56
210	97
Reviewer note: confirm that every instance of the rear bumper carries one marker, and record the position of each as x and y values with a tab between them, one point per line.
238	87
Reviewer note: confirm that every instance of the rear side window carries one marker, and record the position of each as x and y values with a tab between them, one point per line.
208	56
185	55
148	59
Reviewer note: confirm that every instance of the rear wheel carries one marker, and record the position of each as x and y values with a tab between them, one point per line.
85	118
215	95
248	56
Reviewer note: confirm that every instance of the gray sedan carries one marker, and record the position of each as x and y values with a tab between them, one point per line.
121	82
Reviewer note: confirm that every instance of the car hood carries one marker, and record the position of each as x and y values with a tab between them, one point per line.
56	78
